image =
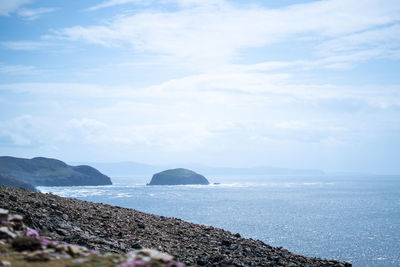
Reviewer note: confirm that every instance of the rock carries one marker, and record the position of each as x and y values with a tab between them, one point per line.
3	215
141	225
80	260
5	263
5	233
26	243
15	218
74	251
16	222
226	243
65	217
149	254
136	246
178	177
62	232
38	256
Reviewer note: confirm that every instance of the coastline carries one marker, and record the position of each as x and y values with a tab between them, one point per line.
114	229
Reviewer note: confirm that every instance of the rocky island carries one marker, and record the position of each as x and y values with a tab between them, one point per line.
80	227
42	171
178	176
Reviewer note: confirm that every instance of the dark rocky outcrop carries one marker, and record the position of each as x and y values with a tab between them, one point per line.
9	180
178	177
115	229
51	172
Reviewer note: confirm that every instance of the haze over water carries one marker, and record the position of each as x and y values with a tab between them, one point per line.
348	218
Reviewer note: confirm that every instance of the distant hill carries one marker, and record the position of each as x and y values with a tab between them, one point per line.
9	180
177	177
51	172
261	170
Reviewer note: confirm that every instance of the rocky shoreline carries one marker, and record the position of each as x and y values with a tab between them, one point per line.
115	229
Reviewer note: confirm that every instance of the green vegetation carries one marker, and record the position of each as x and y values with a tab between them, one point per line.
51	172
9	180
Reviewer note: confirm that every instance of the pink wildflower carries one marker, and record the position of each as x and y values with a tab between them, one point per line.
33	233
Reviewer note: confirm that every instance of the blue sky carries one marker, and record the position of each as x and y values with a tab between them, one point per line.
299	84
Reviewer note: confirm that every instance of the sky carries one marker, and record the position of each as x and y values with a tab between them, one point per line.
285	83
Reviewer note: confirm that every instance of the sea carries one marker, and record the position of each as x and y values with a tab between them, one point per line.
354	218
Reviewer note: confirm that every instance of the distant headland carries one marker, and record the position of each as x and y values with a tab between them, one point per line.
40	171
178	176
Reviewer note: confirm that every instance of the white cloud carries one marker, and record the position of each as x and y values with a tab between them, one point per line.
202	116
24	130
17	69
383	42
205	36
34	13
9	6
219	88
26	45
111	3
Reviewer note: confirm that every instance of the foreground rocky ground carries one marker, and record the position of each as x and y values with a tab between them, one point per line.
23	246
119	230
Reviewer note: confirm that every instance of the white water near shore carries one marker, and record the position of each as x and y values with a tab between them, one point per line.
354	219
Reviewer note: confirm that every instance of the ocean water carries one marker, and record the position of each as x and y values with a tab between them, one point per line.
356	219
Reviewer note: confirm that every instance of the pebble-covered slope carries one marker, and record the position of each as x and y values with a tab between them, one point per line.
116	229
21	246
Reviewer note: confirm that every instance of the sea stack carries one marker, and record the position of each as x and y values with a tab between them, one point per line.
178	177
